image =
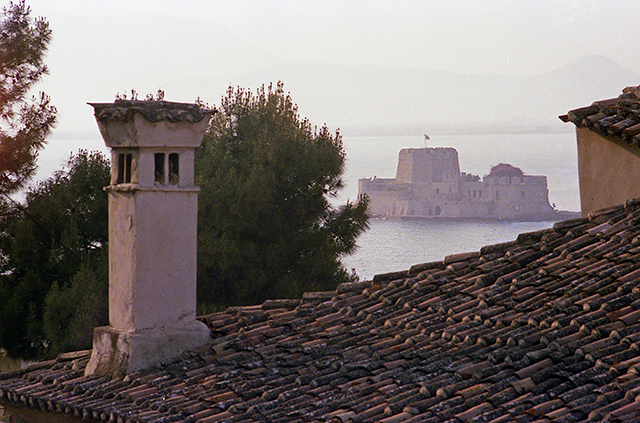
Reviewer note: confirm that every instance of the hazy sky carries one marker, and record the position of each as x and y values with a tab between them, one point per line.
194	48
494	36
197	48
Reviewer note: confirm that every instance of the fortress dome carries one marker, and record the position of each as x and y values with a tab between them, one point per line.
505	169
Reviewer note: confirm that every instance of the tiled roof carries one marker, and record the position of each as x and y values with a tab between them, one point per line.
543	328
151	110
616	117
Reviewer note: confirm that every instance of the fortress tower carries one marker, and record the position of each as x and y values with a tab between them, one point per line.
426	165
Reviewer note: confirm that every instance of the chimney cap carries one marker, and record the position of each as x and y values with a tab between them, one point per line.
151	110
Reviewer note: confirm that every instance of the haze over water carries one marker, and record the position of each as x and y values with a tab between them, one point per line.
392	245
367	67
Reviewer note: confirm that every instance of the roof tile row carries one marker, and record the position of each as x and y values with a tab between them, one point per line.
544	328
616	117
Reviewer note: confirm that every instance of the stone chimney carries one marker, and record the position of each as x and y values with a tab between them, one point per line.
152	234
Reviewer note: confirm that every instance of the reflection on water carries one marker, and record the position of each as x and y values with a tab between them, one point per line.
392	245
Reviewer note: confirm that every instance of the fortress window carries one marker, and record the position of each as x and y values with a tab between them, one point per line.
438	210
124	168
521	194
497	195
159	168
174	168
469	193
479	193
437	190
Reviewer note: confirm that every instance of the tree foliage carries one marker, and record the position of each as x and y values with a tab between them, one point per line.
24	123
53	267
266	226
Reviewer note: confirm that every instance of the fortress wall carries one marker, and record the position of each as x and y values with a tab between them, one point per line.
535	180
448	189
383	203
404	208
368	185
467	208
383	194
475	191
522	199
504	180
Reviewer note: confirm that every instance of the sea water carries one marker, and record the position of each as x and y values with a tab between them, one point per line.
392	245
396	244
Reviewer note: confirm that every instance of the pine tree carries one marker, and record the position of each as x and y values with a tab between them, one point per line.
267	228
53	271
24	123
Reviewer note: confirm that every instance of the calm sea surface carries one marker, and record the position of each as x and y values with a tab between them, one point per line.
397	245
392	245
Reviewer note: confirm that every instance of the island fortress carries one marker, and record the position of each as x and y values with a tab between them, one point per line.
429	184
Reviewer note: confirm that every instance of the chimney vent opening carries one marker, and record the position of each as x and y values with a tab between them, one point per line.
159	168
174	169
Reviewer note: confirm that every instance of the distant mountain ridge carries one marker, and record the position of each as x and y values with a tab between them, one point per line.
371	98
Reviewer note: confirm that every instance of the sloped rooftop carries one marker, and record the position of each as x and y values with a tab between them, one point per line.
543	328
616	117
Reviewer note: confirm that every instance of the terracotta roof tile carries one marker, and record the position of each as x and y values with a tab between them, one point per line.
618	117
545	327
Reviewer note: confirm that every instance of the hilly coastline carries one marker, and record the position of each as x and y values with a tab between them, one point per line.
383	100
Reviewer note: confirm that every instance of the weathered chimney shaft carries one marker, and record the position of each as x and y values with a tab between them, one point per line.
152	234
